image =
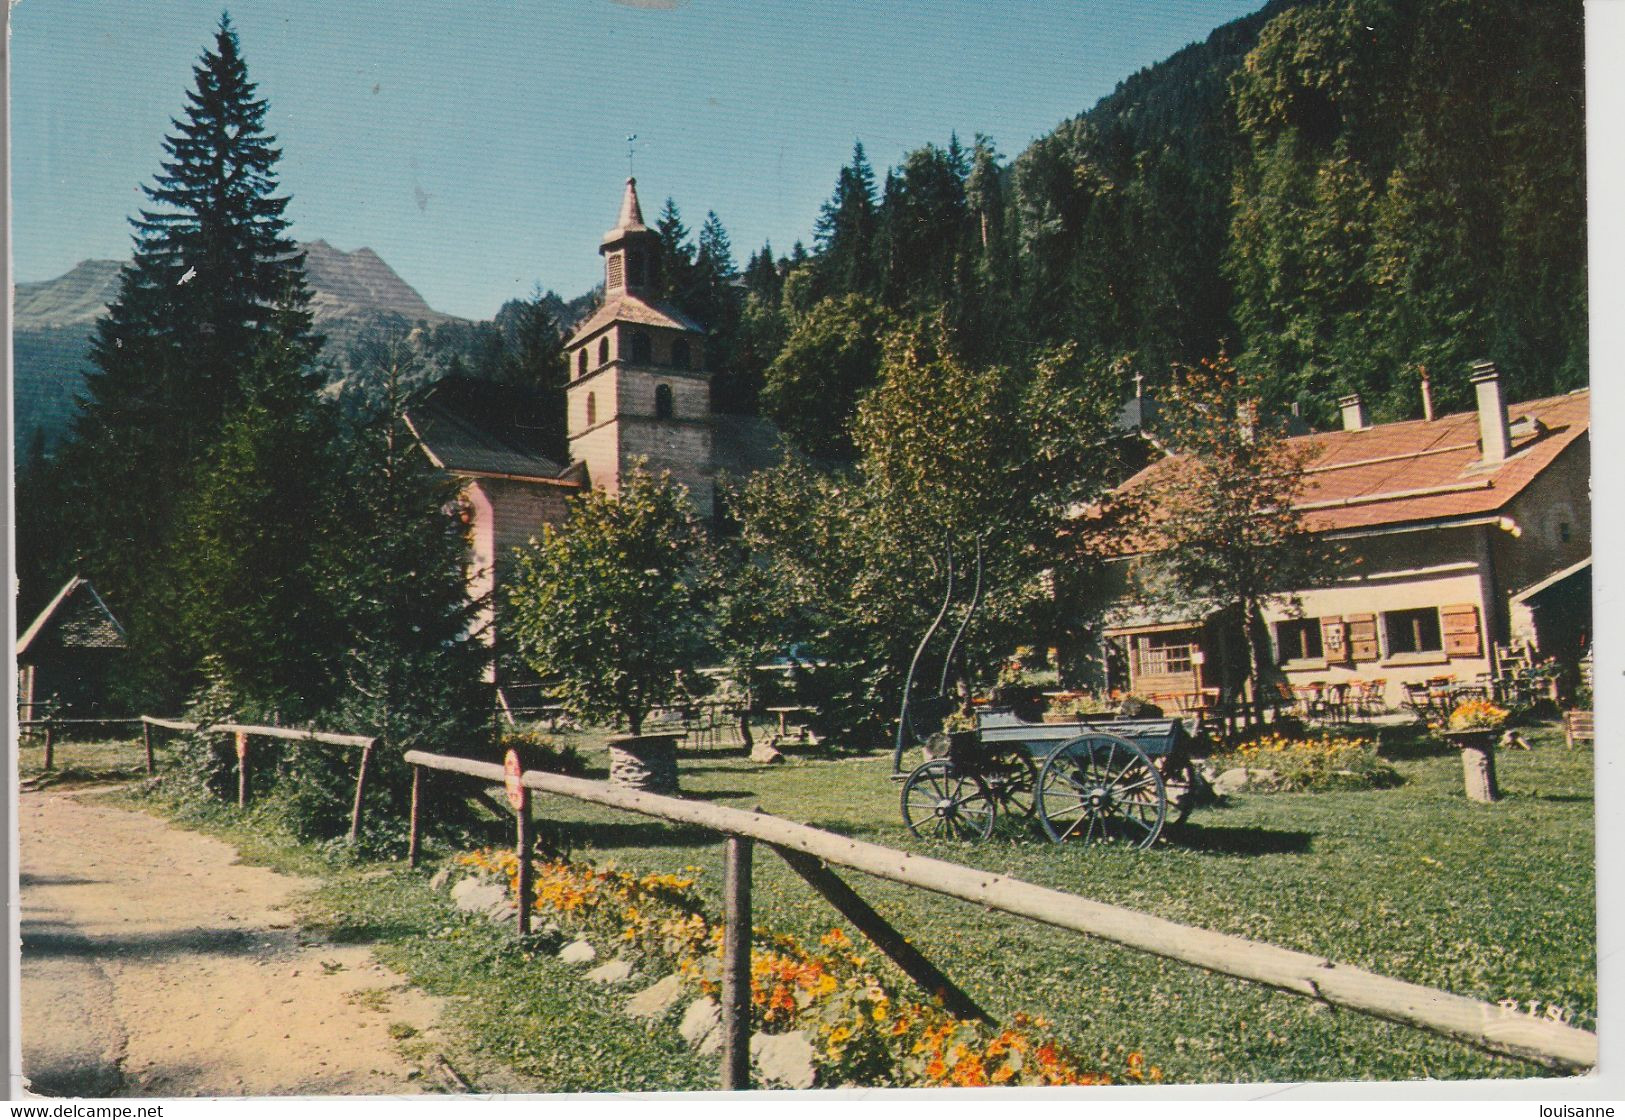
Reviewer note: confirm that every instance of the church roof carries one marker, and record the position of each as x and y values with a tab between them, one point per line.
628	308
76	619
481	427
631	216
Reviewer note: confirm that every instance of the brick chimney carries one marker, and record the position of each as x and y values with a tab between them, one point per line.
1427	394
1493	435
1354	415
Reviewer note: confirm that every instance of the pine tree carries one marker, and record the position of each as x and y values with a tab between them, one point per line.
676	277
414	657
535	361
249	586
215	288
845	230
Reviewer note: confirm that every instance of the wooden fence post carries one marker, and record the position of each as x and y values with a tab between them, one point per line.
242	769
527	873
50	746
146	743
415	826
736	965
360	790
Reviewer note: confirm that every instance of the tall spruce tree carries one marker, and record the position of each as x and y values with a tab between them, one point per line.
413	663
846	228
215	288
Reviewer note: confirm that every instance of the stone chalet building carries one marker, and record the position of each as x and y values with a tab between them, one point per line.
638	390
1463	533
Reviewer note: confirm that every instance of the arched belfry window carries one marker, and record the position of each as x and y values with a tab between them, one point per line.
663	402
603	350
642	348
592	409
680	356
581	362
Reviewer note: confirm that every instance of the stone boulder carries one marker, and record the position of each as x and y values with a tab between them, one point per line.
765	753
783	1061
701	1027
477	897
578	952
616	971
654	1001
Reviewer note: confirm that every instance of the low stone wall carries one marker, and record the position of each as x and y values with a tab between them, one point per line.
646	762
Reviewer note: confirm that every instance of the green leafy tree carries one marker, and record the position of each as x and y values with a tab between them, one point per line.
829	359
950	454
214	288
1218	520
605	604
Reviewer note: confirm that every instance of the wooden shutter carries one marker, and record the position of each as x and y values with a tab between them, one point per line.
1362	635
1460	627
1334	639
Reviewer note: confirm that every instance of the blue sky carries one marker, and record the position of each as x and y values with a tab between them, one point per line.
479	148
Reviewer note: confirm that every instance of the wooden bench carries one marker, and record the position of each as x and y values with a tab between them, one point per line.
1580	725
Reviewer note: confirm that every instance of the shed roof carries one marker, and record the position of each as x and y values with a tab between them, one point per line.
482	427
76	619
1420	470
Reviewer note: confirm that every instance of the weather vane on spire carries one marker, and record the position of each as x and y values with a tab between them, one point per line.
631	139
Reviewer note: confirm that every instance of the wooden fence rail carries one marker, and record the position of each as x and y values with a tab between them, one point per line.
243	731
1484	1025
52	724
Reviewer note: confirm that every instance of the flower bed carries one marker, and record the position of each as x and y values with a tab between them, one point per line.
863	1031
1332	762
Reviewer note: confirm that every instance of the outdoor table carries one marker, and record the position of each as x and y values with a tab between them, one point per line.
784	713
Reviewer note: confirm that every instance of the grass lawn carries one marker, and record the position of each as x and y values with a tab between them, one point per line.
1415	882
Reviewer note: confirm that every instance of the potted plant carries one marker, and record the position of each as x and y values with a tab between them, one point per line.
1472	728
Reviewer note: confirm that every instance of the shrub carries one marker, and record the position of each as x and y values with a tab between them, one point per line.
1331	762
538	752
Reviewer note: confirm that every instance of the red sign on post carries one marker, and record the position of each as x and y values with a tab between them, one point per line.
510	776
242	745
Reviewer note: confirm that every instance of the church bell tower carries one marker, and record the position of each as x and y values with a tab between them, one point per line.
637	387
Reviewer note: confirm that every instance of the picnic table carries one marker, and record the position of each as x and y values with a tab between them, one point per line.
785	712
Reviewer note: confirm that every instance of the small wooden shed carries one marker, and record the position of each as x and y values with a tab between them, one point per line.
65	656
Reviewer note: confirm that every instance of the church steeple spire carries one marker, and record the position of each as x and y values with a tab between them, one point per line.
629	249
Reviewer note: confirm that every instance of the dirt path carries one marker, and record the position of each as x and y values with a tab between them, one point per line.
153	964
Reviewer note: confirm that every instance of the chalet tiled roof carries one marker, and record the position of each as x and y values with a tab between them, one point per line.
482	427
1421	470
628	308
75	619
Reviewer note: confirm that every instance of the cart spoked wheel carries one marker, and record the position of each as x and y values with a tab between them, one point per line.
1012	778
942	802
1184	786
1100	788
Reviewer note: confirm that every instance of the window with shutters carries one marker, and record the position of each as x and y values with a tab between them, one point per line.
1413	631
1461	635
1298	639
1362	637
1334	639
